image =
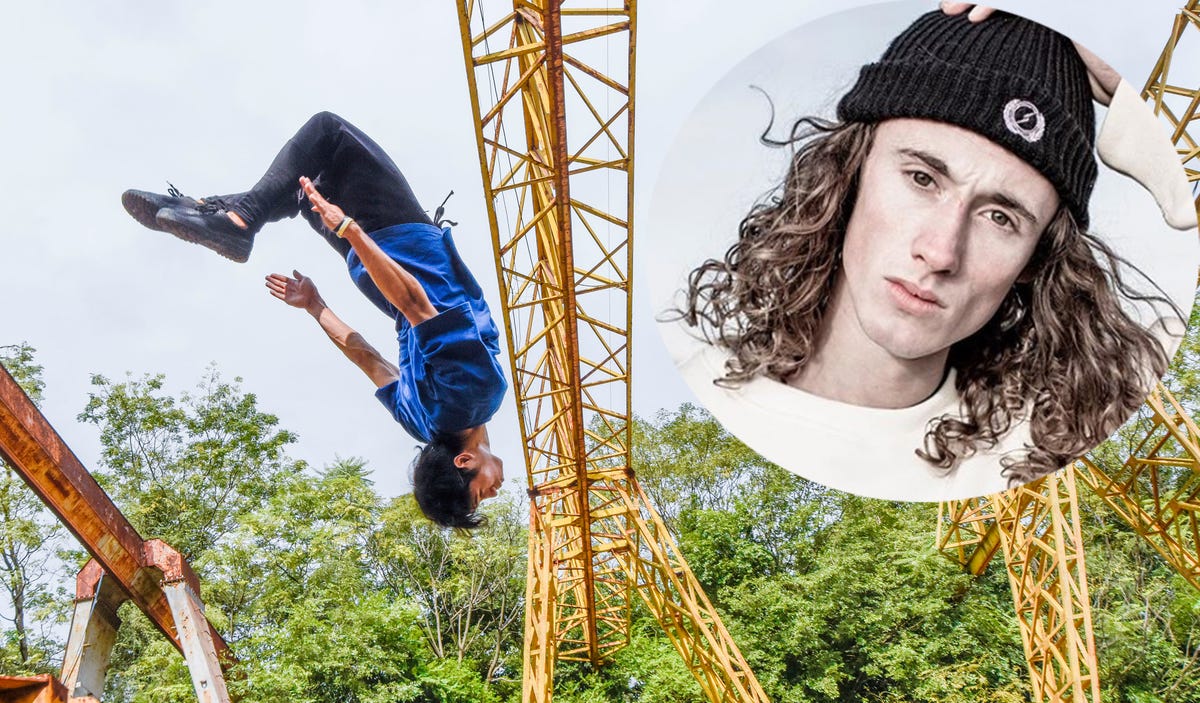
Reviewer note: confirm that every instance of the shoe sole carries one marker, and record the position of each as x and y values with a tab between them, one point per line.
143	206
233	248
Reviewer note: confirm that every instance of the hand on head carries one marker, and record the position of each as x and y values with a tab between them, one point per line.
1102	77
977	13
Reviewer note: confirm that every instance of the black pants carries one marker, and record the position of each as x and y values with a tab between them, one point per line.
346	166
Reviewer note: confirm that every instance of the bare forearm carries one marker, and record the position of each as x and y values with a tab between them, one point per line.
353	345
397	285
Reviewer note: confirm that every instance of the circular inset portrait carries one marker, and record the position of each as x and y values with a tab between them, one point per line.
921	256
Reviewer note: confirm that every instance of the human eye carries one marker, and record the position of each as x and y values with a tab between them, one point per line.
1001	219
922	179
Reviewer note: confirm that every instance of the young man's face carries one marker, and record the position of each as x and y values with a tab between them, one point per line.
486	483
944	223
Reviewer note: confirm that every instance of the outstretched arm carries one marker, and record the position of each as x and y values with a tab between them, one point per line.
397	285
300	292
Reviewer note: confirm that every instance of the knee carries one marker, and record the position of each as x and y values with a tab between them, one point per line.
326	118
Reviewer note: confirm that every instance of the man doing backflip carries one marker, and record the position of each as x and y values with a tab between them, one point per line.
447	382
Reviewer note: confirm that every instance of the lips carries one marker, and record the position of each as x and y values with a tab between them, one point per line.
913	298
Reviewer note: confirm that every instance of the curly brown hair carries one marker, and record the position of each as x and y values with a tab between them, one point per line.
1069	366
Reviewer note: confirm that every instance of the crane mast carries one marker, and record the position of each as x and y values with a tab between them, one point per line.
552	92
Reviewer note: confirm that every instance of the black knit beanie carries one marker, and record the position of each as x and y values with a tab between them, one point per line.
1019	84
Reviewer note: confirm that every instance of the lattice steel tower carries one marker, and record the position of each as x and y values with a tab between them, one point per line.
552	90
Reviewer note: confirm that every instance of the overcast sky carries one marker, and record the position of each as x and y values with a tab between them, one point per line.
104	97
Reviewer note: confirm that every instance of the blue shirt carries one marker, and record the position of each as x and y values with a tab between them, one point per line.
450	376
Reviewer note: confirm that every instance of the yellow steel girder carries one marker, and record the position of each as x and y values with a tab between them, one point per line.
1156	490
1043	553
1036	527
560	206
1178	105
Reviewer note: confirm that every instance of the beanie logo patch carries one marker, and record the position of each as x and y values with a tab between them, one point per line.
1024	119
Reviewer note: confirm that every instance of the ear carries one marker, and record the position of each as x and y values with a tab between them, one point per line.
463	460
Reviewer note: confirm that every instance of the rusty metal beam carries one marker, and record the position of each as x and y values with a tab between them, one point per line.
43	688
36	451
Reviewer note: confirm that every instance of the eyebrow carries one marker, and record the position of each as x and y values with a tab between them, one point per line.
1002	199
930	160
1013	204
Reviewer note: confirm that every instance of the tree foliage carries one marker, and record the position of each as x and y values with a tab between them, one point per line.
185	469
472	590
29	534
326	591
833	597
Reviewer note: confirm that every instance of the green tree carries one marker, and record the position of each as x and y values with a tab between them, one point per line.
184	469
303	573
879	615
309	623
28	567
187	470
831	597
470	588
328	592
685	459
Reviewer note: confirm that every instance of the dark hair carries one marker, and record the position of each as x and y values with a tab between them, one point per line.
440	487
1080	361
1077	363
765	300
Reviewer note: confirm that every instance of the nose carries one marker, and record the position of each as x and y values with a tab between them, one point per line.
942	238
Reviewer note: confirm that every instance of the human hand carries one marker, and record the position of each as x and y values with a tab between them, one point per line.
978	13
1102	78
298	291
331	215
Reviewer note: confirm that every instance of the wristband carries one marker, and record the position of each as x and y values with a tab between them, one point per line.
341	229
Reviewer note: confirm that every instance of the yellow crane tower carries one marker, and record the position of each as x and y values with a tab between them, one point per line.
1178	105
560	206
1156	490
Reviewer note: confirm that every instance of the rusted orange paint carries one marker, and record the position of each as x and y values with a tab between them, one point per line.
40	456
32	689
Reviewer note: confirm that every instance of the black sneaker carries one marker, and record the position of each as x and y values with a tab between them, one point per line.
208	224
144	206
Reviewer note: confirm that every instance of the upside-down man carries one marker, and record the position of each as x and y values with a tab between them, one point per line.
447	382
